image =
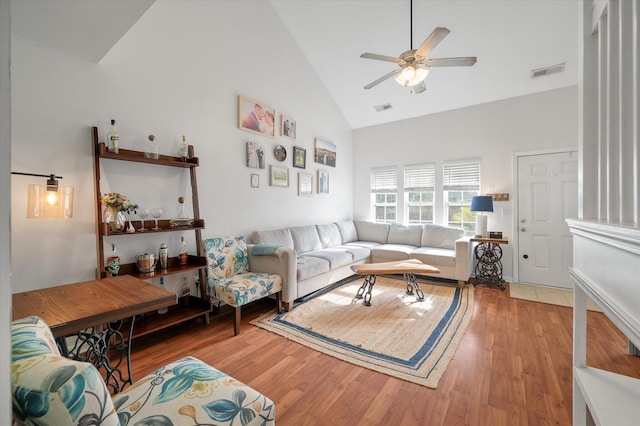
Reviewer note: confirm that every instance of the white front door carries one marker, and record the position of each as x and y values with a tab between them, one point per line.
547	195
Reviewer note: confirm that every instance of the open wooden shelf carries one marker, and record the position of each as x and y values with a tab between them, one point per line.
188	307
173	267
163	224
139	157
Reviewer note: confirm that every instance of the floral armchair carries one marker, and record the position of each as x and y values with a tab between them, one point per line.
229	279
49	389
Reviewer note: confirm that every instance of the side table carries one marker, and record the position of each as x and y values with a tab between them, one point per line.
488	253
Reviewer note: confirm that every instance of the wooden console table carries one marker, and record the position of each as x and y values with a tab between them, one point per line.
82	309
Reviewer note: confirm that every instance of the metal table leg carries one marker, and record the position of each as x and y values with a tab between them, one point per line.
412	285
94	344
369	280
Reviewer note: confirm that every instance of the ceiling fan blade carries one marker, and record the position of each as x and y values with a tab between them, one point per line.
432	41
381	79
451	62
380	57
418	88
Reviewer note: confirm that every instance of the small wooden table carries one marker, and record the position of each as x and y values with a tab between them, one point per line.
489	256
408	268
82	309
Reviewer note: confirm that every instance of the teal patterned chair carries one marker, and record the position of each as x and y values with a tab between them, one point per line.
229	280
49	389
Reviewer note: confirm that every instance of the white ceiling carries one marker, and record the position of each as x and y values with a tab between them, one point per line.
509	37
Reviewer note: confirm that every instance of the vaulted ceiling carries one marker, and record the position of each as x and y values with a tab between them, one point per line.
509	37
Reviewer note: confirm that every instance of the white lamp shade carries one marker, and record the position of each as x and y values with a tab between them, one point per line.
44	203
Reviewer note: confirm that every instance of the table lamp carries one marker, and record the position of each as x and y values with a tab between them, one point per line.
480	204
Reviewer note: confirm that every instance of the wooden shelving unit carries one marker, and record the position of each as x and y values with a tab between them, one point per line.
188	307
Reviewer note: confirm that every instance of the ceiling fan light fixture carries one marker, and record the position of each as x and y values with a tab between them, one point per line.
408	80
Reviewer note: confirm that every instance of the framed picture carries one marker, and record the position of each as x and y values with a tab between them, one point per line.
305	184
299	157
325	153
323	182
256	117
255	180
279	176
280	153
288	127
255	155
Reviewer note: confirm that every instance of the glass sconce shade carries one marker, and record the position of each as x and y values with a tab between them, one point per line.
50	202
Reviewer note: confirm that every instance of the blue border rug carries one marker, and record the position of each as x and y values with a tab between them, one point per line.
398	335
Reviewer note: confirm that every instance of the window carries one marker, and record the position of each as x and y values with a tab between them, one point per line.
419	187
384	187
461	181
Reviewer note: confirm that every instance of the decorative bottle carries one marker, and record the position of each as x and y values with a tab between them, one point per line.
183	255
112	138
162	310
184	149
164	256
151	148
113	261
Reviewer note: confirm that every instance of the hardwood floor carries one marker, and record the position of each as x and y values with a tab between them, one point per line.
513	367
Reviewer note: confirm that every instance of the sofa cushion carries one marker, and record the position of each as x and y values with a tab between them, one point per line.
371	231
440	236
391	252
305	238
348	231
435	256
357	252
329	235
366	244
410	235
309	266
336	257
281	237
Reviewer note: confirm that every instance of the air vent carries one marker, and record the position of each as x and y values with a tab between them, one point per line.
383	107
553	69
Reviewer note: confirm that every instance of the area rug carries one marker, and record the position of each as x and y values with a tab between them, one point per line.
396	335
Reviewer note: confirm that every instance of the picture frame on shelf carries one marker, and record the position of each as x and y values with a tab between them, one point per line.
255	155
325	153
256	117
279	176
288	127
323	182
255	180
299	157
305	184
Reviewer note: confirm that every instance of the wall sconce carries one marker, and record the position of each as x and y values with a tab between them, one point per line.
481	203
50	201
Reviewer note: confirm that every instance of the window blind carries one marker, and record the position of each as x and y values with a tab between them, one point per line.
421	177
461	177
384	179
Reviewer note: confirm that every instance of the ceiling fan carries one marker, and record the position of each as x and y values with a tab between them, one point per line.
414	65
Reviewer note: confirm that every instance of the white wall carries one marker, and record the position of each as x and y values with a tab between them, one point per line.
178	71
492	132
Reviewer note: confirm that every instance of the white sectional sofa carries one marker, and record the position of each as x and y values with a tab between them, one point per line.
314	256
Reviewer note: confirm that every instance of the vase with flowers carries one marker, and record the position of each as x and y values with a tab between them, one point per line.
115	206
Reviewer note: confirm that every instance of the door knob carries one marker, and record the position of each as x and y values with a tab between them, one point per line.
523	229
525	256
523	220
